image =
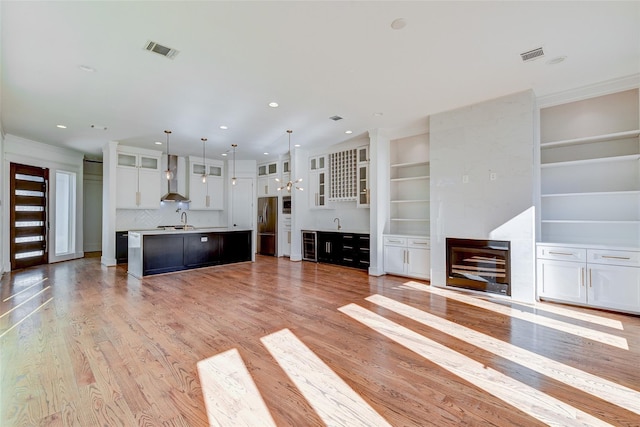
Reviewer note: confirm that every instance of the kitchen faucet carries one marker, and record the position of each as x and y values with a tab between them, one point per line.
183	218
337	219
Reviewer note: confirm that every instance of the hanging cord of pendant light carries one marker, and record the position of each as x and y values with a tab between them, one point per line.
233	179
168	173
204	163
290	184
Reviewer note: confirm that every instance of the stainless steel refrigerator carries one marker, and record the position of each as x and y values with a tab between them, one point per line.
267	225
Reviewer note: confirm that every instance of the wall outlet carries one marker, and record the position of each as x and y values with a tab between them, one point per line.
465	179
493	176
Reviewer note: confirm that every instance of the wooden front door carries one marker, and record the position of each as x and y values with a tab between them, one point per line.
29	193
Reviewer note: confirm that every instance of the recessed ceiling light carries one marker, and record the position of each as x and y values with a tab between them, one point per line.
273	104
158	143
266	154
87	68
556	60
224	154
61	126
223	127
297	145
348	132
398	24
377	114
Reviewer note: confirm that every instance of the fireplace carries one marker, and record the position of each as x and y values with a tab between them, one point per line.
481	265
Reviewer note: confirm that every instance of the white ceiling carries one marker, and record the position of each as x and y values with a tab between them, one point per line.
316	59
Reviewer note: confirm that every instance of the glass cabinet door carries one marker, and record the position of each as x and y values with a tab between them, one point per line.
148	162
127	160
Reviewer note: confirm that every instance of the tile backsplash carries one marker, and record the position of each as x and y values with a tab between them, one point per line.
167	214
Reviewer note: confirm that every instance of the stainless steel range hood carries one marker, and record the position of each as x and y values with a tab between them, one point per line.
172	184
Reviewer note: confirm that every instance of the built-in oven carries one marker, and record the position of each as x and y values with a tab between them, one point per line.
286	204
309	246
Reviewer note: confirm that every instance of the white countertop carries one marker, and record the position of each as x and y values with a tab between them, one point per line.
162	231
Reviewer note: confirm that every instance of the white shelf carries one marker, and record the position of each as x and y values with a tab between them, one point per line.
591	139
628	158
412	178
595	193
404	165
411	201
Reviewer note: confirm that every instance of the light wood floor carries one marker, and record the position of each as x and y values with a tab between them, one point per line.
300	344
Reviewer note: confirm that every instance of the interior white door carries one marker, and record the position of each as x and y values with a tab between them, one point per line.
242	212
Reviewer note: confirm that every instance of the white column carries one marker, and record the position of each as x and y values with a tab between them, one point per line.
379	197
110	160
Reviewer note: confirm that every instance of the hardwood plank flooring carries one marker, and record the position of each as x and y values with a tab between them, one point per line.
301	344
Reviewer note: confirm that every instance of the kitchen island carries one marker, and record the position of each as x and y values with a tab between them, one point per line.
163	251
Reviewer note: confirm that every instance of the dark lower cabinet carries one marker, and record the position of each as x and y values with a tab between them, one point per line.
163	253
202	250
348	249
236	246
122	247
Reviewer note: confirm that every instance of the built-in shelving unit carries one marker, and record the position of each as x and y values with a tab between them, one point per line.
590	171
409	186
589	248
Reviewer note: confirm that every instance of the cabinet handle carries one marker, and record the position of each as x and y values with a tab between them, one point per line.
419	243
582	276
590	279
408	260
316	199
560	253
616	257
137	198
207	201
394	241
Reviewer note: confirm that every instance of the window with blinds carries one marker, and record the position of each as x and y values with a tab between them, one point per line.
342	171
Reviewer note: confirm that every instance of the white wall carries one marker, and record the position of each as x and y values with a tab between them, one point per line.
495	136
24	151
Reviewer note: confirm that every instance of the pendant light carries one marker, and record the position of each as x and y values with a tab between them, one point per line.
233	179
168	173
204	163
289	185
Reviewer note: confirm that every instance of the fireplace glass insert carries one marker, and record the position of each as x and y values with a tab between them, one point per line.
482	265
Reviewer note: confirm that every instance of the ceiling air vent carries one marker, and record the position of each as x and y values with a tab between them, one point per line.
532	54
161	50
335	118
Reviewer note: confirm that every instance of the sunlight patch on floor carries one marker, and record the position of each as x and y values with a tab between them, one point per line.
25	317
589	383
332	398
24	290
558	325
523	397
230	395
23	302
567	312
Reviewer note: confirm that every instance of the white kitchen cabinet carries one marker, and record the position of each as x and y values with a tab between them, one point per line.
138	179
267	184
208	195
362	177
596	277
407	256
318	182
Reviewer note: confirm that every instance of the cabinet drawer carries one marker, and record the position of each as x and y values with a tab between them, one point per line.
562	253
418	243
395	241
604	256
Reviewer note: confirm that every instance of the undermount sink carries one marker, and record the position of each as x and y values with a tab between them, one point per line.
177	227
